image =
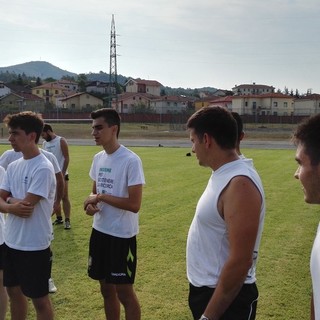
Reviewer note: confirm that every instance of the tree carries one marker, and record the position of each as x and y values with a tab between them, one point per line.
38	82
50	79
19	80
68	78
82	81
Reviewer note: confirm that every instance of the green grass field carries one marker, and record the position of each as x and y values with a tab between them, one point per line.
174	183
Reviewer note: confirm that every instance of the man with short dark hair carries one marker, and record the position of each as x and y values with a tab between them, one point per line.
224	236
114	203
27	195
307	140
59	147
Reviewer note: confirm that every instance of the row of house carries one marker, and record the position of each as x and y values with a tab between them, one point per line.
257	99
141	95
59	95
276	104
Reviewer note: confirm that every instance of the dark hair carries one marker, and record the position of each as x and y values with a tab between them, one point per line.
238	119
47	127
216	122
27	121
308	134
110	116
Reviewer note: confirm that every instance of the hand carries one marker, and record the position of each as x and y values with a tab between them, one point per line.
92	199
91	209
21	208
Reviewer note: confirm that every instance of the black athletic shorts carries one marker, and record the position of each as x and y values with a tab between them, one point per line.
111	258
66	177
243	307
28	269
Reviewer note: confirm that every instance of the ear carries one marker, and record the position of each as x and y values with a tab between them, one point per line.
115	129
207	140
32	136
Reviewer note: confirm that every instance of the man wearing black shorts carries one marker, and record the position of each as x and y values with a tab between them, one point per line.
114	203
27	194
224	236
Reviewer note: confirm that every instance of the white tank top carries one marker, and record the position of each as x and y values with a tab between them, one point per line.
208	244
54	146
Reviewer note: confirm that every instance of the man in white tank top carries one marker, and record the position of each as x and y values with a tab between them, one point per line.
306	138
59	147
224	236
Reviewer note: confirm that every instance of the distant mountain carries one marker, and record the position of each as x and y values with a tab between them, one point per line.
45	70
39	69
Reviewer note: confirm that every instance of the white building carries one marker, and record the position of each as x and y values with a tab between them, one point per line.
247	89
276	104
4	90
307	105
143	86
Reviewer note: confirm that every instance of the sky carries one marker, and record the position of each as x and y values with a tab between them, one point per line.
179	43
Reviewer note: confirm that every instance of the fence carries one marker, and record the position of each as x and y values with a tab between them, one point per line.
175	120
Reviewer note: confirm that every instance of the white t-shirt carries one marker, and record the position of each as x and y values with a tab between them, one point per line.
315	274
34	176
54	146
2	173
10	155
113	174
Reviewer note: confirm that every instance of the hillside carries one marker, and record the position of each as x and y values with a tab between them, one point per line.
39	69
44	70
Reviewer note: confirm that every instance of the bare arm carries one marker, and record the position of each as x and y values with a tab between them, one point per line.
242	219
59	191
89	206
312	316
22	208
65	152
131	203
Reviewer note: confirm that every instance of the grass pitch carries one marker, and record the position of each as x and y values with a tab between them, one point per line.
174	184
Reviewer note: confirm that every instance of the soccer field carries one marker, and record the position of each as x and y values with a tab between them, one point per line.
174	183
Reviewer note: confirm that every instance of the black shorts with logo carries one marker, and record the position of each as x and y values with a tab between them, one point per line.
112	259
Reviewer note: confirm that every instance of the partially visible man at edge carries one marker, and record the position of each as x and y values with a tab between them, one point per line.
224	237
307	139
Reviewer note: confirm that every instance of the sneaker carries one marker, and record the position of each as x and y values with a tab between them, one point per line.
67	225
57	221
52	287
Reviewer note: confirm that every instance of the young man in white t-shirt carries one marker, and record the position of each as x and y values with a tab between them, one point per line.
307	138
27	195
115	201
10	155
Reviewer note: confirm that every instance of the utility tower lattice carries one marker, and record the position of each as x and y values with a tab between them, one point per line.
113	76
